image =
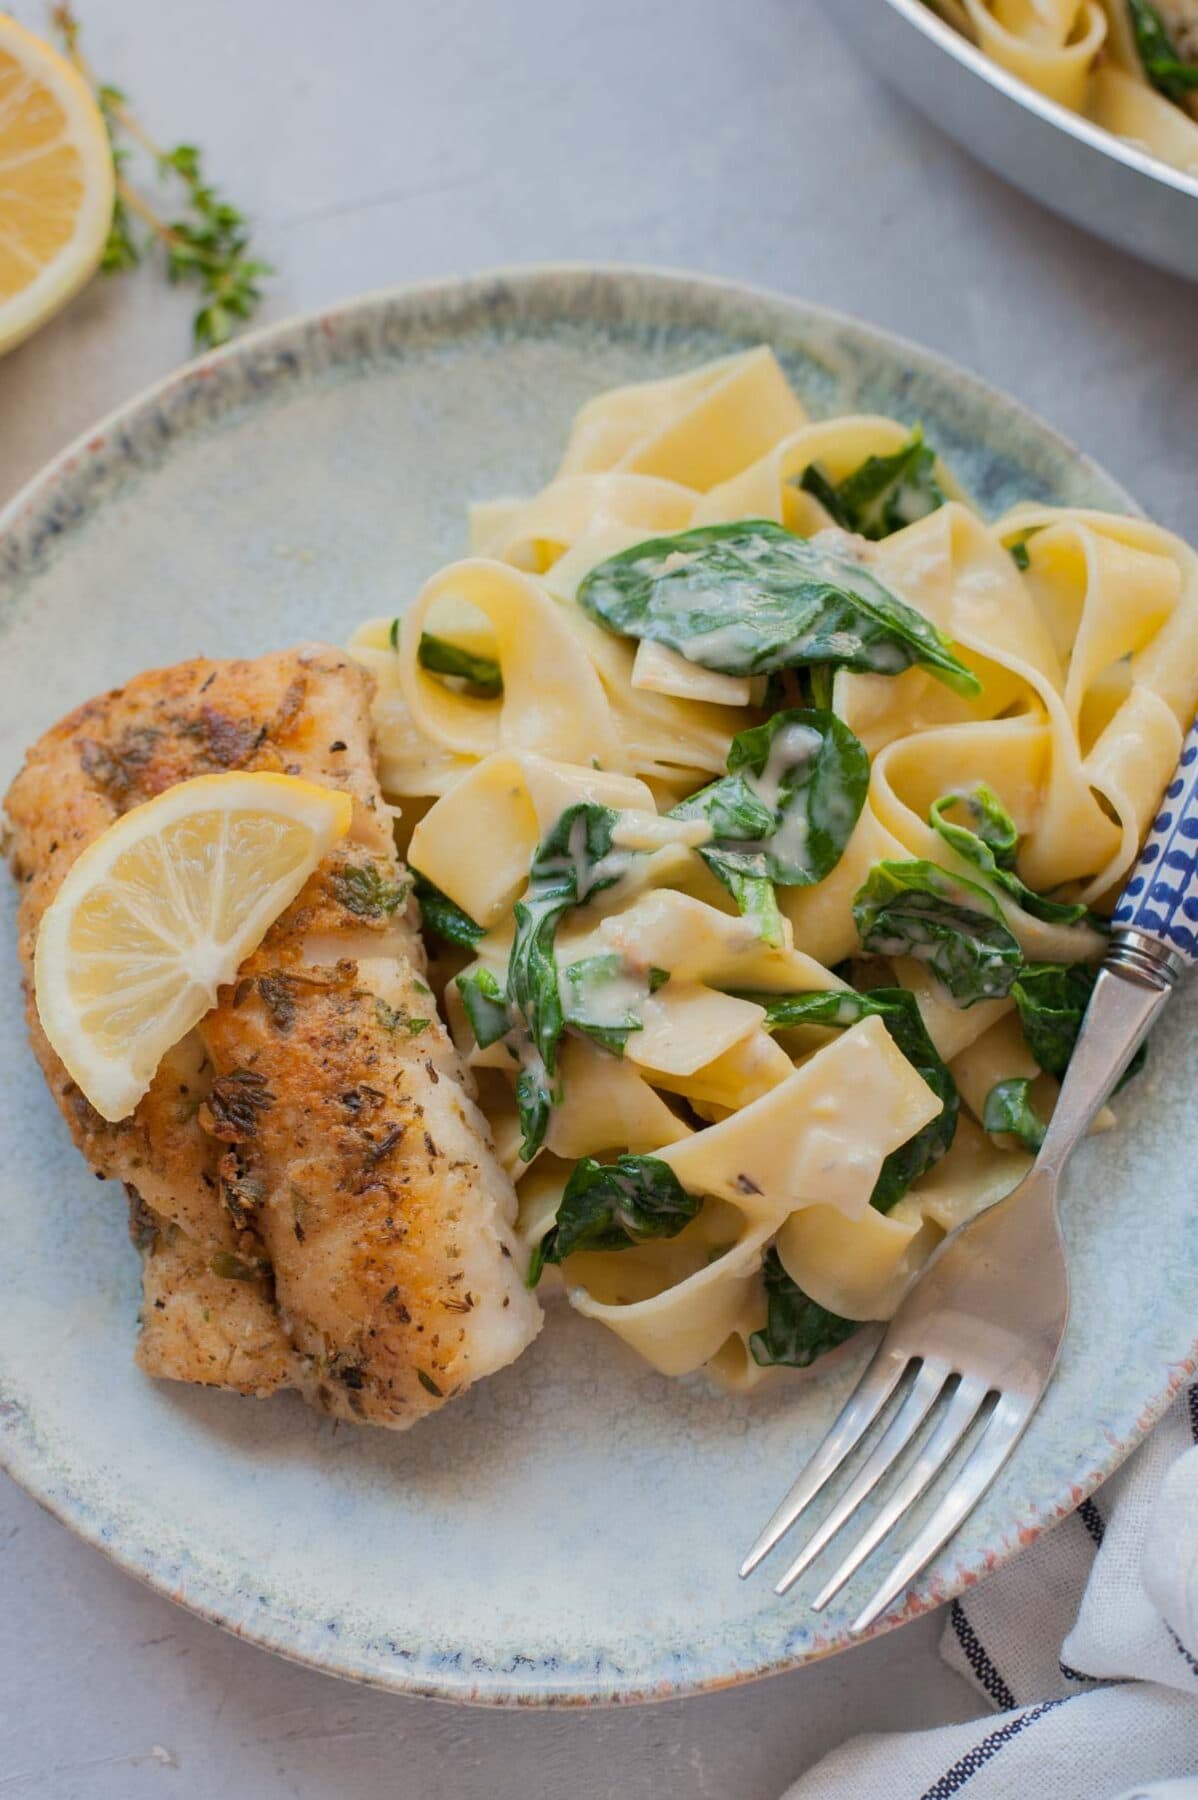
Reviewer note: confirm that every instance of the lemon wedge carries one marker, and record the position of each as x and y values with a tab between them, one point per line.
161	910
56	182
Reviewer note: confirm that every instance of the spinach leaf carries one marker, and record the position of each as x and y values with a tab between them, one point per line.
884	493
899	1012
740	823
1017	546
485	1006
817	681
585	982
953	925
1166	71
990	824
785	810
1009	1108
440	657
797	1328
988	842
443	917
1051	1000
573	861
611	1206
749	597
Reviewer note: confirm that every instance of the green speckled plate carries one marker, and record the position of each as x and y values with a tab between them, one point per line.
570	1531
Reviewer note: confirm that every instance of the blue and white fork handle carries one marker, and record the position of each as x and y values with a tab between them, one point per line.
1154	940
1155	925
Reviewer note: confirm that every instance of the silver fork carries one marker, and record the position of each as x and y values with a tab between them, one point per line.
977	1336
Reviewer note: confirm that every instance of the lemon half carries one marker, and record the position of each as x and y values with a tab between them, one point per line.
161	910
56	182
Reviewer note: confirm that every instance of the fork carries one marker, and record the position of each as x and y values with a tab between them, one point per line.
975	1339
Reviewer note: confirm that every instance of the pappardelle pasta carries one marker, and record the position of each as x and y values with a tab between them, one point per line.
1129	65
765	802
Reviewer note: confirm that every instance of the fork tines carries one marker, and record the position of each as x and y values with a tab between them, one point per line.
957	1402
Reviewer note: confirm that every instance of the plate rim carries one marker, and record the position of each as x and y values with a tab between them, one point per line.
513	275
919	15
292	1638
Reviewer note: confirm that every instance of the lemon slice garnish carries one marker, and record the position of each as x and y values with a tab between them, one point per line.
56	182
161	911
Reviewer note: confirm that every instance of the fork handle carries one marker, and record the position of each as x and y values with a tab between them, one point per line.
1122	1011
1155	925
1154	940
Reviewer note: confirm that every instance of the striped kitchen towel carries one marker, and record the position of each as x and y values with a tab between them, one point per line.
1087	1648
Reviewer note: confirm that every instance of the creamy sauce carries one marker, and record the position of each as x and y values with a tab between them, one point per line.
653	831
792	746
725	647
602	996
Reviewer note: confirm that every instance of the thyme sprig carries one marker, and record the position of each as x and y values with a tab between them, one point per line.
207	243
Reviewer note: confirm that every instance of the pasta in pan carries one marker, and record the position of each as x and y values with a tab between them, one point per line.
766	803
1129	65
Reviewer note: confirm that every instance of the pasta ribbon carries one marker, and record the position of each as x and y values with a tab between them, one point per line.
1098	59
698	429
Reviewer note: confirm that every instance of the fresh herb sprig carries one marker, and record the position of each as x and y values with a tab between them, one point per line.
206	243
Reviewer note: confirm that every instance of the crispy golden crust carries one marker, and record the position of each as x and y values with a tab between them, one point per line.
286	713
206	1316
107	756
346	1121
312	1188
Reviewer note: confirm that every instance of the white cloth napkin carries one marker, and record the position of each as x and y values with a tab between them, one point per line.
1087	1648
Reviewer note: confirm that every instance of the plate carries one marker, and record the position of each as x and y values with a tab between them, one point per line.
1101	182
569	1532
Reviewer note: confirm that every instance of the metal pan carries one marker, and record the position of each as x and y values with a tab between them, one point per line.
1090	176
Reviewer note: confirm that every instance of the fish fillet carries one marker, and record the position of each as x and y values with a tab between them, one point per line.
311	1186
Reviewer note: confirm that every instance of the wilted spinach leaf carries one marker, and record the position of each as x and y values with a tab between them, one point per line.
899	1012
573	861
1009	1108
1166	71
816	682
443	917
485	1006
440	657
785	810
1017	546
797	1328
988	842
917	909
1051	1000
611	1206
749	597
884	493
989	823
605	1016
